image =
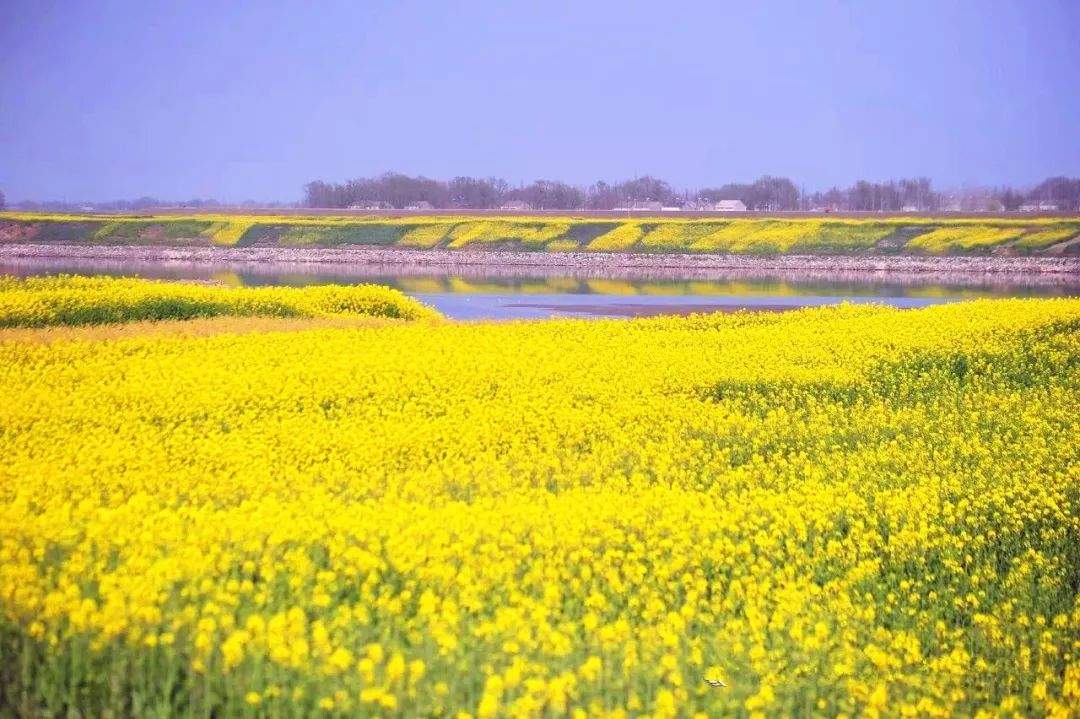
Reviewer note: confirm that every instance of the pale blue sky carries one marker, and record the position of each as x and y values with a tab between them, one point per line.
103	100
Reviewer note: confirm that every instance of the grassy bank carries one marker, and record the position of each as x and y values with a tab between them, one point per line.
848	511
911	235
67	301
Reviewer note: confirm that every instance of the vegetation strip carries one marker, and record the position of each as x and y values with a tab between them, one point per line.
765	235
64	300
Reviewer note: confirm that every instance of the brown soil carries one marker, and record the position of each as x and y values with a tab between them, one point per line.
1066	248
18	231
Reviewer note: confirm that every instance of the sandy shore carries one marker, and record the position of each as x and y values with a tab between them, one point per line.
615	263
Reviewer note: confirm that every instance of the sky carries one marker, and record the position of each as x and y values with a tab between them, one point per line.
250	100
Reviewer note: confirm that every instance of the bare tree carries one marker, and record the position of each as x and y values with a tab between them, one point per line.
550	195
478	194
1064	192
602	196
1009	198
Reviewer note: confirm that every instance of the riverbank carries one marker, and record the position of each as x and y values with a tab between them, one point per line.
757	235
564	261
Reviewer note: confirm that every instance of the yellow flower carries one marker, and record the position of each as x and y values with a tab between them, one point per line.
340	660
665	704
416	670
591	668
395	668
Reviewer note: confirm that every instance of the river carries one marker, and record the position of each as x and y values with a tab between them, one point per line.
517	292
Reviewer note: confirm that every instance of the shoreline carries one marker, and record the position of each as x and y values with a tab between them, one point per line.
437	259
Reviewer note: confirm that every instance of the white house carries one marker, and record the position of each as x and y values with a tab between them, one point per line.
1038	207
516	206
421	205
730	206
647	205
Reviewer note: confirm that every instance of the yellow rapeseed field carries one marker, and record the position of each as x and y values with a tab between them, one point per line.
67	300
851	511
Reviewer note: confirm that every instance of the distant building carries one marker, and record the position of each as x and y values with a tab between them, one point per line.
909	208
730	206
421	205
1038	207
516	206
671	209
648	205
720	206
371	206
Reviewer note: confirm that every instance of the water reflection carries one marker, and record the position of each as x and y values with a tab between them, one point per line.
465	291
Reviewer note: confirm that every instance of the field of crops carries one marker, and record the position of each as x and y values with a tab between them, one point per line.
914	235
53	301
850	511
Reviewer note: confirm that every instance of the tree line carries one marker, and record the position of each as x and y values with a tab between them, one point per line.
398	191
768	194
141	204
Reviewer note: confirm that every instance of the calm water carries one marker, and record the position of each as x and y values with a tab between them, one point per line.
534	292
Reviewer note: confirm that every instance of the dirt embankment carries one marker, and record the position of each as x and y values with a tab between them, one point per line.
565	234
